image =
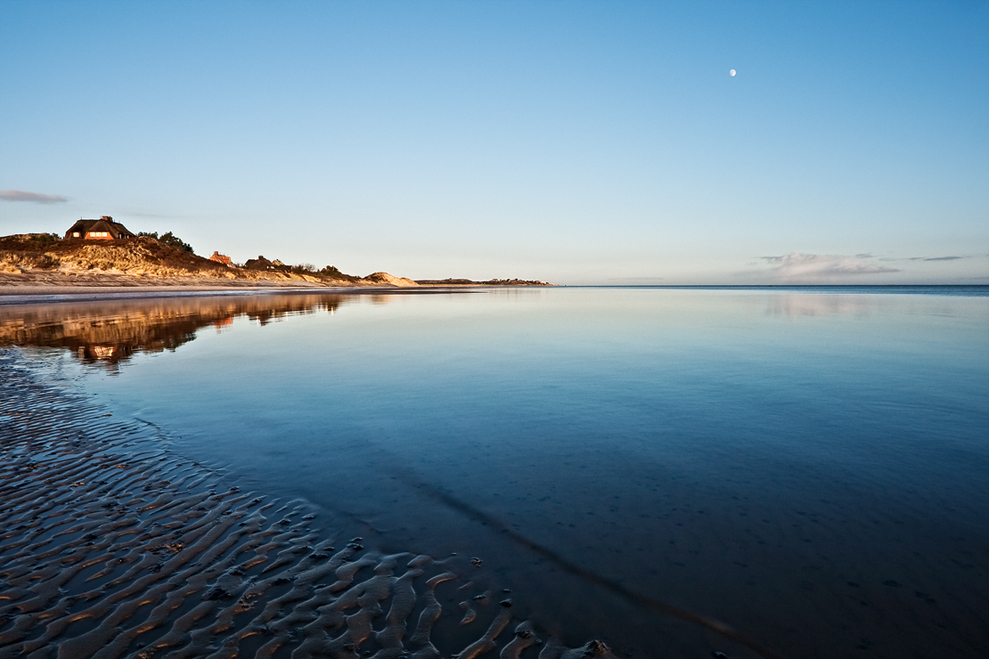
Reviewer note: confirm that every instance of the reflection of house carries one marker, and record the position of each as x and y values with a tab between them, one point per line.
102	229
220	258
108	353
113	331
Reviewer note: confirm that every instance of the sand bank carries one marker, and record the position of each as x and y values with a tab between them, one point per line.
10	295
16	288
35	294
112	545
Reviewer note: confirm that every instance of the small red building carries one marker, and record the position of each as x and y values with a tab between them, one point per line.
220	258
102	229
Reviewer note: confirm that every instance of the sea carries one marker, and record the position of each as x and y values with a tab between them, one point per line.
750	471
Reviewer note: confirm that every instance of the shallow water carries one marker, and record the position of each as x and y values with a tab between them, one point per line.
809	467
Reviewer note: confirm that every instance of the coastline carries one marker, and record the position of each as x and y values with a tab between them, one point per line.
57	294
42	294
116	545
25	289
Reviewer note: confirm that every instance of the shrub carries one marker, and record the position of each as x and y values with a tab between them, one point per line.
45	238
169	239
332	272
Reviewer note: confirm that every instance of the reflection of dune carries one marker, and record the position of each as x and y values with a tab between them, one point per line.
109	331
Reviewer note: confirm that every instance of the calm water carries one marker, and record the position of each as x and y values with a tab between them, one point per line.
809	467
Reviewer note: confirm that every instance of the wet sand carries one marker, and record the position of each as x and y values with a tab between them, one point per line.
113	545
59	283
61	294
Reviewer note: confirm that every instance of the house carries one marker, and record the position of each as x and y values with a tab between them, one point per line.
260	263
220	258
102	229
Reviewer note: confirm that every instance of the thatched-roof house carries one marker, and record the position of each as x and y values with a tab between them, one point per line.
102	229
260	263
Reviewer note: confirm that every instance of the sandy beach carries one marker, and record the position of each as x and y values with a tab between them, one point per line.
107	284
53	294
114	290
115	546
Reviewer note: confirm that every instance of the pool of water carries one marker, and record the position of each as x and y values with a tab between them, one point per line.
807	467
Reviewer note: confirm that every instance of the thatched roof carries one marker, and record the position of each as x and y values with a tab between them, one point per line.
116	230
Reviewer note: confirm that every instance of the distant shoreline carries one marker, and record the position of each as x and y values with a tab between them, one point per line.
37	293
45	262
10	295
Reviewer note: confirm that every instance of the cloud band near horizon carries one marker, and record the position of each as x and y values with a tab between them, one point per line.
35	197
815	267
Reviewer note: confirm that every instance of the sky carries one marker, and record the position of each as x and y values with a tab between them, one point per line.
572	142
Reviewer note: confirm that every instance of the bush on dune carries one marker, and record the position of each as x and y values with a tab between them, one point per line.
331	272
169	239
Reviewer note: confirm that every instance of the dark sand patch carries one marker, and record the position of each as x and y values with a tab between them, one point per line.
112	545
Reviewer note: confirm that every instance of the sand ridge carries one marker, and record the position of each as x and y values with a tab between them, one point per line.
114	546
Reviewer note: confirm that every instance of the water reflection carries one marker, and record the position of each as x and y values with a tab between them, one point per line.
108	332
814	304
753	456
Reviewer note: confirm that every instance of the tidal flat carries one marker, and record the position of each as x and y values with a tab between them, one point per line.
665	472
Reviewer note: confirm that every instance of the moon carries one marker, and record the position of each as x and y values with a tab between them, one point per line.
732	73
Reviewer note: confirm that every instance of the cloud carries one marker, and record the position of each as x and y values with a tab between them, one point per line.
36	197
927	258
820	267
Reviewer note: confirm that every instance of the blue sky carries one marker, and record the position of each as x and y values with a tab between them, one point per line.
577	142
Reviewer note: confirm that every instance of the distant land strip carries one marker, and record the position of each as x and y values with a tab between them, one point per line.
47	260
489	282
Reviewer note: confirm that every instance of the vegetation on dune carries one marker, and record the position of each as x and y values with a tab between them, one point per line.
22	251
331	272
169	239
168	256
42	238
143	255
148	254
16	261
328	272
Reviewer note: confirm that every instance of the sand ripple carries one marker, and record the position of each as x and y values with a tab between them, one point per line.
113	546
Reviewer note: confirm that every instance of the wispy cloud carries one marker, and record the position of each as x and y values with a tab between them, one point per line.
925	258
821	267
36	197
